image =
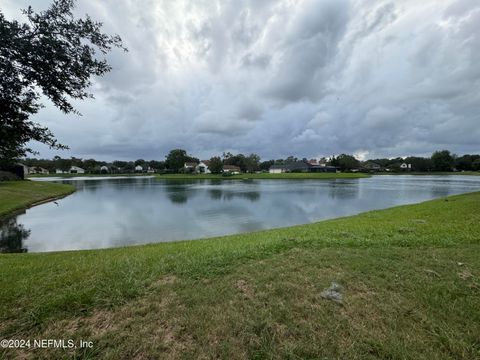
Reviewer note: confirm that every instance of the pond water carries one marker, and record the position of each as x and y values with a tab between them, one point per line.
112	212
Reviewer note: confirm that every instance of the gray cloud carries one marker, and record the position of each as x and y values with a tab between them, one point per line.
303	77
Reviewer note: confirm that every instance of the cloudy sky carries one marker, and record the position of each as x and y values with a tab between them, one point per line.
278	78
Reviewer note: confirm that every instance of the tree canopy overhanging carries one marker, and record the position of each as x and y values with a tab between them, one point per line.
54	54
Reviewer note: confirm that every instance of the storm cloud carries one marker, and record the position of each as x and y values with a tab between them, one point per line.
278	78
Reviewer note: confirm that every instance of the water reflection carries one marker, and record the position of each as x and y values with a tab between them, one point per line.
12	235
118	212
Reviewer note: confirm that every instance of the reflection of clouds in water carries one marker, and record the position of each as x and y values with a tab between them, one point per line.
118	212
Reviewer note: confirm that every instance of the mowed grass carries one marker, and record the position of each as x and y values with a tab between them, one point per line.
16	195
284	176
410	276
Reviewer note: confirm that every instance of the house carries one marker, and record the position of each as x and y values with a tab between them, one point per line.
24	170
277	169
322	168
150	170
41	170
139	168
231	169
202	167
189	166
301	166
104	169
36	170
372	166
59	171
294	166
76	170
405	166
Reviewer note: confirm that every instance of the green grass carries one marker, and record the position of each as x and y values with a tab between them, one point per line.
16	195
410	276
285	176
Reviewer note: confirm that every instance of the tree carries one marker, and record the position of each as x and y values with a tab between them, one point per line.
345	162
442	161
419	163
157	165
53	54
236	160
265	165
176	159
464	162
216	165
252	162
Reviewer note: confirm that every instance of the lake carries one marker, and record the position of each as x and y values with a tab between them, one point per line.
112	212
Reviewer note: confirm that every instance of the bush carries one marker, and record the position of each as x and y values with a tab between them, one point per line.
7	176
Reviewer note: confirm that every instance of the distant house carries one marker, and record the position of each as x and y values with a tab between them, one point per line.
150	170
76	170
405	166
301	166
59	171
232	169
372	166
104	169
322	168
202	167
190	165
277	169
139	168
25	168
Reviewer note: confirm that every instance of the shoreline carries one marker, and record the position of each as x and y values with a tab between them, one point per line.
23	194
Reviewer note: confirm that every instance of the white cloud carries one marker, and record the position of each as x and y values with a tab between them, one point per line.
277	78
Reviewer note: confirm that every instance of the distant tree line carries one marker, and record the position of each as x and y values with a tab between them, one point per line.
175	160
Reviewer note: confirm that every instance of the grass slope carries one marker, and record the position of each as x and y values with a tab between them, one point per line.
16	195
410	276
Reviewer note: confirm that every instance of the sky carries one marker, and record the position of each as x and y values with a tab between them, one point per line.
277	78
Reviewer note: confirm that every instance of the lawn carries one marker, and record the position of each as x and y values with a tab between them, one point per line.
410	278
16	195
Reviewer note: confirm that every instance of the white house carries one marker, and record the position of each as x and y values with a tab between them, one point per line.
38	170
202	167
104	169
232	169
190	166
150	170
139	168
405	166
76	170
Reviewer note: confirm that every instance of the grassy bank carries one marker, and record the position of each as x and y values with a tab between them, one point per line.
16	195
410	276
285	176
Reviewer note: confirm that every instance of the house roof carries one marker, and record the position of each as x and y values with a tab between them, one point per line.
206	162
296	165
192	164
371	164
